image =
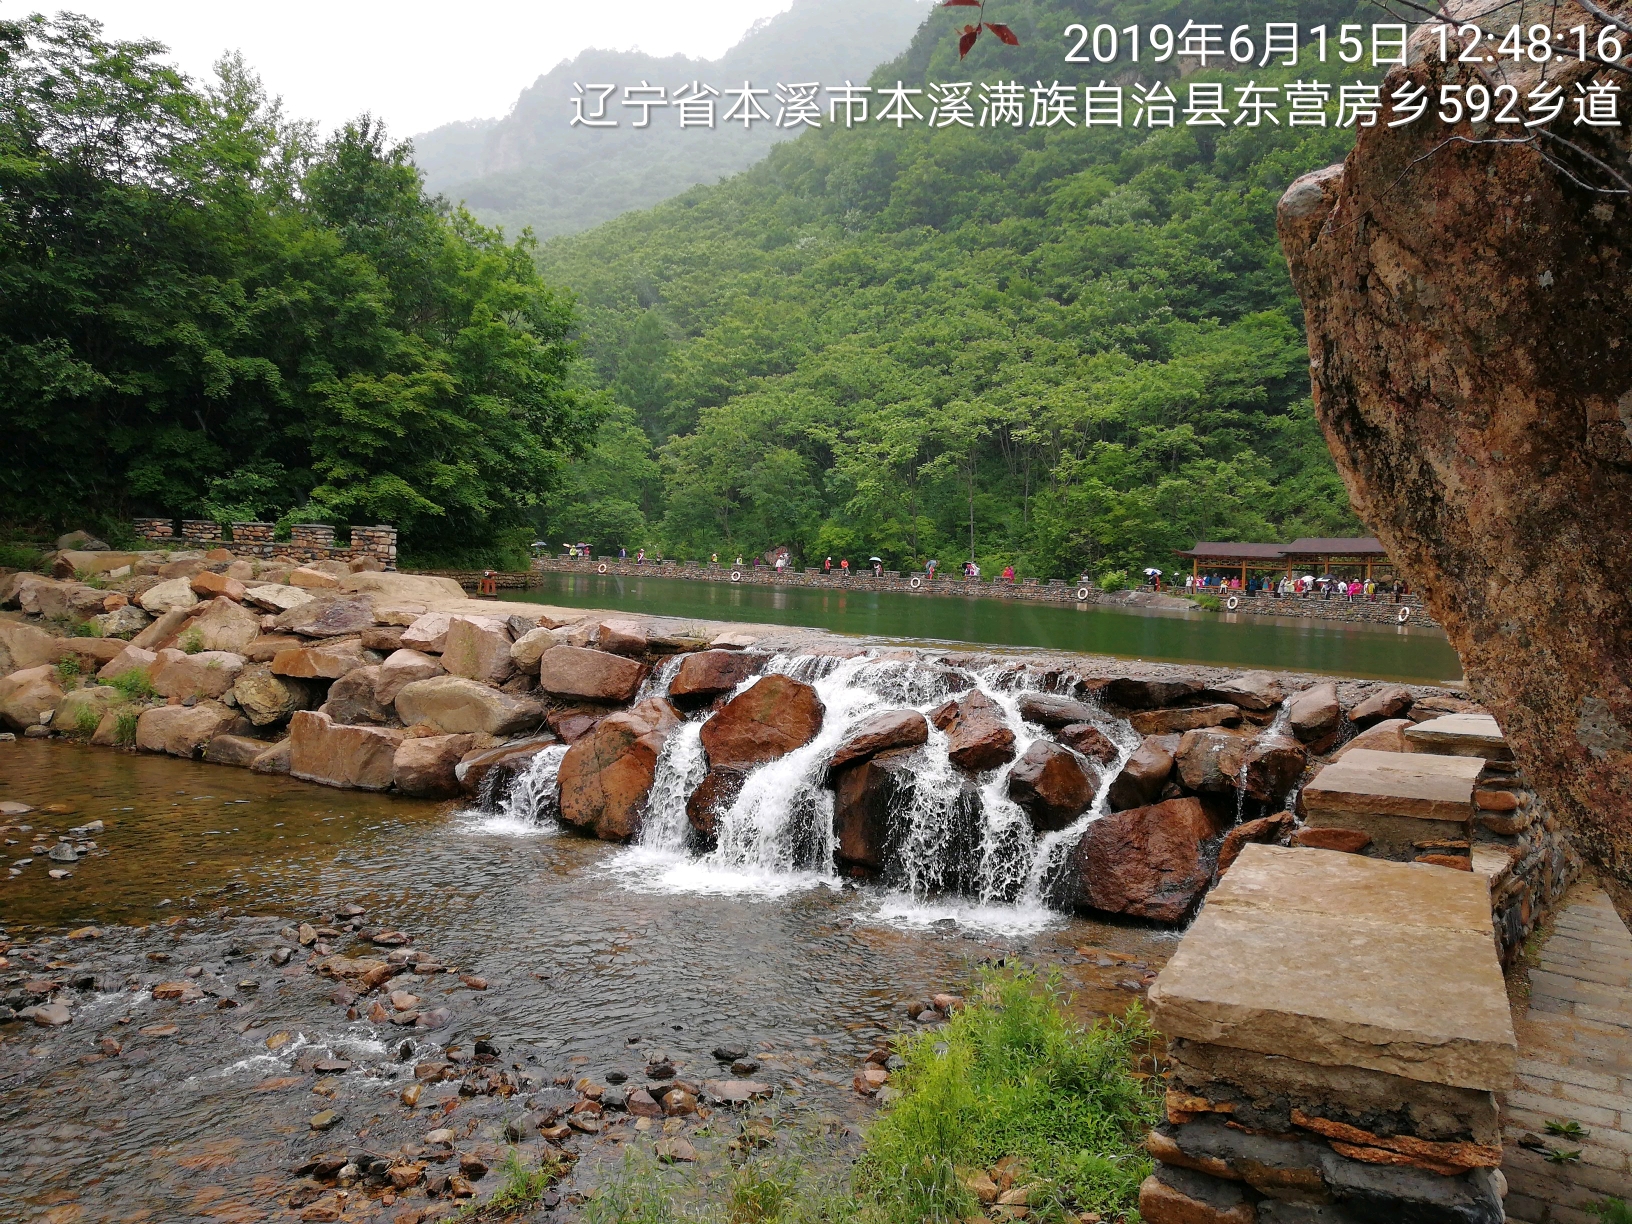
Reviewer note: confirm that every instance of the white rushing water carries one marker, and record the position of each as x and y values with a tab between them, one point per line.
529	806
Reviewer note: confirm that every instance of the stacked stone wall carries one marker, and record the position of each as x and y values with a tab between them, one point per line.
308	542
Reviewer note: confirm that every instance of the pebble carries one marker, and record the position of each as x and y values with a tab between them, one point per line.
48	1015
59	873
325	1120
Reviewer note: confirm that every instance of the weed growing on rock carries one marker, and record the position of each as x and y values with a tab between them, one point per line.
1612	1211
21	557
1013	1084
86	721
68	671
87	629
521	1193
133	685
124	728
191	642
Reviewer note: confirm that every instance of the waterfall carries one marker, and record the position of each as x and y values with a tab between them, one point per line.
680	767
532	800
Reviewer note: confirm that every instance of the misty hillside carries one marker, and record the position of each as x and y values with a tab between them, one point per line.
533	168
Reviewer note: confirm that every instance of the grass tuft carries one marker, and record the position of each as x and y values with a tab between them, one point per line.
1612	1211
124	728
68	670
191	642
521	1192
87	721
1013	1076
133	685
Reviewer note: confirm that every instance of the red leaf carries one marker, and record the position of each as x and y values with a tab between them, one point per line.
968	40
1003	33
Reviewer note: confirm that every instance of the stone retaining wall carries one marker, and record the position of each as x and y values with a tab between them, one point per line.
307	541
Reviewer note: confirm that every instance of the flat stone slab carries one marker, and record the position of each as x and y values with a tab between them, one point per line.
1414	784
1344	961
1464	735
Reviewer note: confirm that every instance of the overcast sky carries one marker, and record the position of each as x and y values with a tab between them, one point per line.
416	64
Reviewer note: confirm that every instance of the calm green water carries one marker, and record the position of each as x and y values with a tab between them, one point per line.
1412	655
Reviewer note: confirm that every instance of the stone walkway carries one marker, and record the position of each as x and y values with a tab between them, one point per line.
1575	1063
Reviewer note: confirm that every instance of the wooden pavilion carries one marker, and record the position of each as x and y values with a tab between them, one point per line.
1305	555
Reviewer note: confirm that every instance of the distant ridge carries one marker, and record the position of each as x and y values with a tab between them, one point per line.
532	168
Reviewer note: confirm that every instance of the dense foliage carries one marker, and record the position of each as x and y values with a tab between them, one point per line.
1068	349
207	311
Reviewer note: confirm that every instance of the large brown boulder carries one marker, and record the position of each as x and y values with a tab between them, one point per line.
183	731
84	707
712	799
351	699
1052	710
131	658
709	673
607	776
1144	775
453	705
162	631
27	695
1478	407
764	722
880	733
1250	690
324	751
218	586
328	618
239	751
1090	742
427	632
209	673
165	596
1133	693
226	625
427	767
589	675
329	661
23	647
1053	785
867	796
625	637
1314	715
977	737
400	669
1264	766
1185	718
1146	862
478	648
268	700
1389	701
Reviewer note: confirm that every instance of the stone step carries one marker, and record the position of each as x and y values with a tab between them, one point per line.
1466	735
1398	799
1340	960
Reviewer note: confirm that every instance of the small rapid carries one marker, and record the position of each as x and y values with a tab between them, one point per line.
960	847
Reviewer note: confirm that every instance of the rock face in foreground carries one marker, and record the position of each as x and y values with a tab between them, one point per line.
607	776
1480	412
769	720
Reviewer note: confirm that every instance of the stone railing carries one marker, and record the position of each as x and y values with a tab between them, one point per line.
307	541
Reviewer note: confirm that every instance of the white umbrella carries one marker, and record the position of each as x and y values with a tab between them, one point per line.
880	560
1149	572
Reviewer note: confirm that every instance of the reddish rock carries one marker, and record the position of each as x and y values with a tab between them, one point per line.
1266	829
766	721
1314	715
211	586
1386	736
268	646
26	695
1052	784
323	751
624	637
329	661
1051	710
1274	764
1143	776
607	776
1187	718
977	737
1210	759
1250	691
236	750
1350	841
1390	701
426	767
1150	694
943	715
589	675
131	658
1090	741
1477	408
572	724
713	797
880	733
1146	862
708	673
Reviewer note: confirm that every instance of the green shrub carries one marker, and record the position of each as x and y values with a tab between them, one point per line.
133	685
68	670
1114	580
124	728
192	642
21	557
1013	1076
87	720
86	629
1208	603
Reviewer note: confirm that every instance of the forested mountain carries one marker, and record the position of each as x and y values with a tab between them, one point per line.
532	168
207	311
1063	347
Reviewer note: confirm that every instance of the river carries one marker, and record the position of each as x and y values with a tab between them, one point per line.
593	964
1407	654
